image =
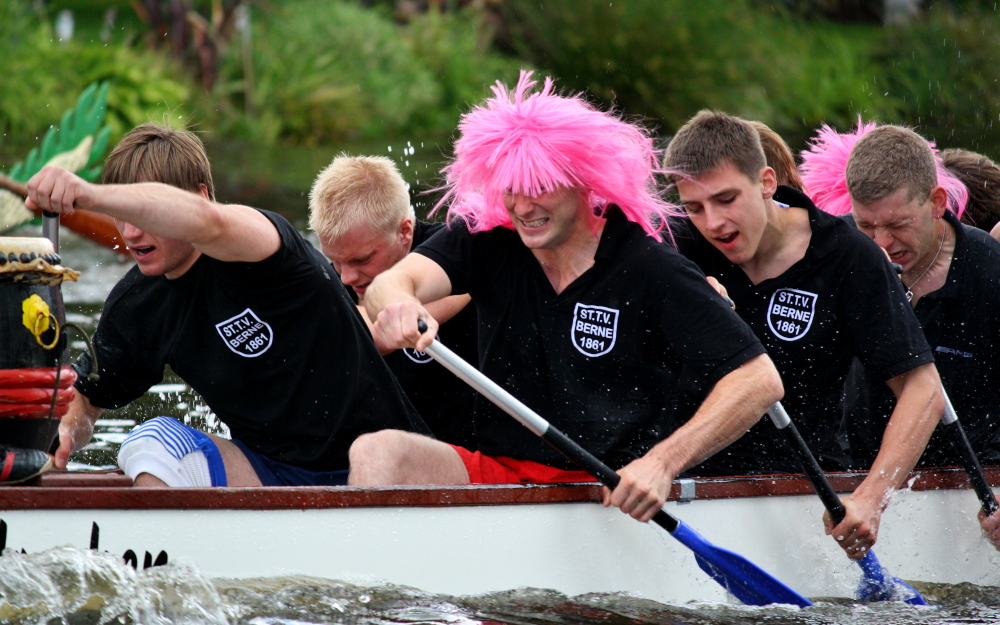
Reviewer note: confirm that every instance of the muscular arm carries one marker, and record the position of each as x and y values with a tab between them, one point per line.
919	405
395	300
442	310
736	402
76	428
223	231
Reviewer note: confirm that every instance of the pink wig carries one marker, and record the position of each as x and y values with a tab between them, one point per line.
824	170
528	143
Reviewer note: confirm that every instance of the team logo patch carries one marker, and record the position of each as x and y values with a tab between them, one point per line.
594	329
246	334
417	357
790	313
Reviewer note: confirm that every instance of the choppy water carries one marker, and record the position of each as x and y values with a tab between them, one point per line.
73	586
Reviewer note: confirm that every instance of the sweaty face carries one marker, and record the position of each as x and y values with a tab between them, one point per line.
551	219
157	256
363	253
728	208
903	227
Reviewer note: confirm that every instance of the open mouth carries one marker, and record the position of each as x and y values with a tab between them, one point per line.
727	239
142	251
536	223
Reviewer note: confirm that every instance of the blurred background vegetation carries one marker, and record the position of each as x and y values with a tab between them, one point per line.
280	86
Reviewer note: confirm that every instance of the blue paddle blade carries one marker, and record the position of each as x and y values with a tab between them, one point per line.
741	577
878	585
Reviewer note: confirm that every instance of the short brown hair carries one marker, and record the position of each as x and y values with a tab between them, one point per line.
358	190
779	156
154	153
981	177
708	140
888	158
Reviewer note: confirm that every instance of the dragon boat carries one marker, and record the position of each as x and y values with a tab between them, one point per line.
475	539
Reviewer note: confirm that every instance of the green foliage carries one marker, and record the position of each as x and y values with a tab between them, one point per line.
43	76
325	70
457	49
330	70
663	59
941	73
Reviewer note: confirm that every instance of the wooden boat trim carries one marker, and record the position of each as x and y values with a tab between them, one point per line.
112	490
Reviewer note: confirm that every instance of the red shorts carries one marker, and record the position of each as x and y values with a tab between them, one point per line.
503	470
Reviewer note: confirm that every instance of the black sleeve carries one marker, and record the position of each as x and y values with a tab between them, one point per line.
279	270
883	331
686	238
128	365
700	326
452	249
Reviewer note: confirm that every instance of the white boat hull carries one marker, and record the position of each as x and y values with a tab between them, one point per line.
574	547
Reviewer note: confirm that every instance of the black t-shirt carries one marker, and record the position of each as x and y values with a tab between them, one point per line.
840	301
276	349
962	326
443	400
617	361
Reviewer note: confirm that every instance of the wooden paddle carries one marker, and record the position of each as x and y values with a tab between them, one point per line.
95	226
877	584
744	579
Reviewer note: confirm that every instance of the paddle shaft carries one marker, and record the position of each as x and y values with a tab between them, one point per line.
534	422
97	227
951	424
808	461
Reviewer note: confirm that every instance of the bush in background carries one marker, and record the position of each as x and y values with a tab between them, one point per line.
330	70
42	77
941	73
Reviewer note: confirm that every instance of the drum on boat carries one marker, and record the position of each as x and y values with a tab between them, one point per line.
36	384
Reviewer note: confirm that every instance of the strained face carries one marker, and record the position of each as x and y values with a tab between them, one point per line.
903	227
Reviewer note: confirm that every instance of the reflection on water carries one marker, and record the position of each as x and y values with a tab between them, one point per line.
67	585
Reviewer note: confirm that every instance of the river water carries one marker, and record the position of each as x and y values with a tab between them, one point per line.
74	586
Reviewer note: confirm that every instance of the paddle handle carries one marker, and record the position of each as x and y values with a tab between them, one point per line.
533	421
808	461
951	424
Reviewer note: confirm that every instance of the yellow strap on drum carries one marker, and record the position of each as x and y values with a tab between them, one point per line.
38	319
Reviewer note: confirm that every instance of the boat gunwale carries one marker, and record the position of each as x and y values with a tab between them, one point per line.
112	490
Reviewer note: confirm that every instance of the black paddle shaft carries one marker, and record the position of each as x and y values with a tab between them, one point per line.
815	474
972	467
527	417
592	465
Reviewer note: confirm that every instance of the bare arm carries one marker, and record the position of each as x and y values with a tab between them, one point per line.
395	300
736	402
919	405
76	427
442	310
223	231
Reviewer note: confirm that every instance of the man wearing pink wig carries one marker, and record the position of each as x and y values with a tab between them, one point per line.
819	294
610	335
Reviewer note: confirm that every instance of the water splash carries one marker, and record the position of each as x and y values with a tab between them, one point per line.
67	585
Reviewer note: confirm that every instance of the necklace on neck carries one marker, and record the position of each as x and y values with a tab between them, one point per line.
909	291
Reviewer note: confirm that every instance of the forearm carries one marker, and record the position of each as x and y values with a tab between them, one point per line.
389	287
191	217
733	406
918	409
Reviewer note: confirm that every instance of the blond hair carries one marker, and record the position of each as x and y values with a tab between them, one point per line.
358	190
779	156
151	152
710	139
888	158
